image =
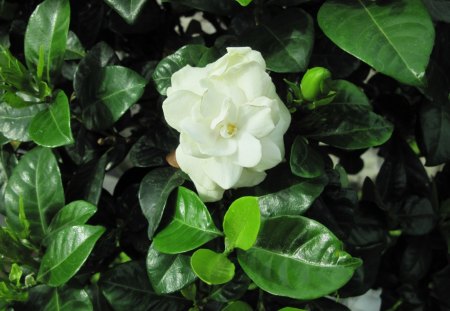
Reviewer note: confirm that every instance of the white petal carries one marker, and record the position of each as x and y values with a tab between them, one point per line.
207	195
220	148
273	153
252	79
197	131
223	172
250	178
249	150
256	120
178	106
188	79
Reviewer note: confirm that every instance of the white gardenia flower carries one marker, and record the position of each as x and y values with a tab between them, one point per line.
231	122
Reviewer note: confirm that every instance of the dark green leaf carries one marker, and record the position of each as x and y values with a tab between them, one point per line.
51	127
129	10
69	299
154	191
36	181
237	306
73	214
439	9
417	216
290	249
193	55
305	161
151	149
67	252
294	200
285	42
8	162
111	91
435	127
74	48
212	267
14	122
46	37
241	223
168	273
190	228
347	126
127	285
382	35
232	290
347	92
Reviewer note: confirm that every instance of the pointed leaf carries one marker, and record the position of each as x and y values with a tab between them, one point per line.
46	37
67	252
190	228
168	273
69	299
297	257
37	181
305	161
14	122
51	127
129	10
212	267
382	35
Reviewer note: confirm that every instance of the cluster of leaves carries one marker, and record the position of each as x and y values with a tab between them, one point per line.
71	71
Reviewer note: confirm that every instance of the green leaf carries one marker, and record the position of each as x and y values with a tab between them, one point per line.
69	299
127	285
14	122
190	228
13	72
112	90
51	127
37	181
347	92
346	126
212	267
46	36
241	223
439	9
294	200
305	161
285	42
8	162
291	309
74	48
168	273
382	34
73	214
297	257
67	252
237	306
129	10
244	2
193	55
435	128
154	191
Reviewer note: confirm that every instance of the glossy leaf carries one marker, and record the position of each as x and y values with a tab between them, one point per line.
294	200
305	161
69	299
129	10
168	273
74	48
73	214
14	122
347	92
13	72
154	191
347	126
285	42
112	91
212	267
128	285
382	35
297	257
244	2
193	55
8	162
36	181
67	252
51	127
241	223
46	37
190	227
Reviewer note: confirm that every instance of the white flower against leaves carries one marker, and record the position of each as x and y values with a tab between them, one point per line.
231	122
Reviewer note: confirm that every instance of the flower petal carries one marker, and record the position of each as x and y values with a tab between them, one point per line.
223	172
256	120
188	79
272	152
249	150
250	178
178	106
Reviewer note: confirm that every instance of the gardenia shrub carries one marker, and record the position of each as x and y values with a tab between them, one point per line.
214	154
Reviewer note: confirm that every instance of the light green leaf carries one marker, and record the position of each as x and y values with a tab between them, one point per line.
14	122
69	299
244	2
286	42
297	257
13	72
128	9
168	273
384	35
51	127
237	306
37	181
190	228
112	90
305	161
241	223
67	252
46	36
212	267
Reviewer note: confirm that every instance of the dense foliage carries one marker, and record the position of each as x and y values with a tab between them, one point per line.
81	90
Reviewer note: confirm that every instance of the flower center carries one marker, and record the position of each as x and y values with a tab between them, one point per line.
228	130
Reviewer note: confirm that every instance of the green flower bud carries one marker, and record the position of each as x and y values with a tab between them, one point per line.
315	83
